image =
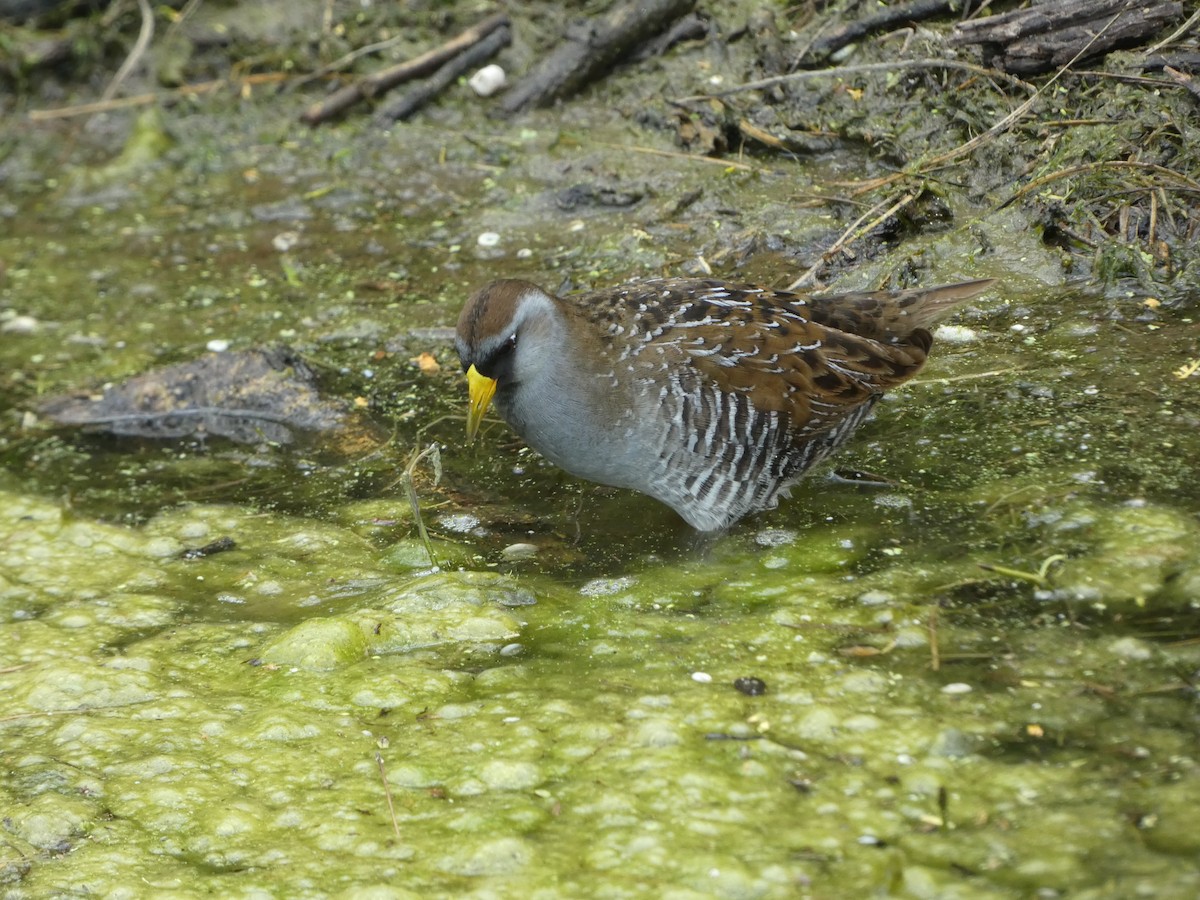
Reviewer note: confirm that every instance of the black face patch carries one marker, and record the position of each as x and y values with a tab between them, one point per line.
498	364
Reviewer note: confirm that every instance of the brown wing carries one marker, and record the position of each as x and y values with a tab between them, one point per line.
762	345
815	375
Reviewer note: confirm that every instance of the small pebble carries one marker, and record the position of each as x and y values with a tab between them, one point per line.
218	345
601	587
285	241
957	687
519	551
955	334
702	677
1131	648
21	325
875	598
750	686
487	80
488	239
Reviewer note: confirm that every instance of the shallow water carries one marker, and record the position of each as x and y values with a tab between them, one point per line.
315	712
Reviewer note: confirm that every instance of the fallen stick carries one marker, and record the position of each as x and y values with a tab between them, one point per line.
401	109
886	18
589	49
1183	79
187	90
383	81
1043	37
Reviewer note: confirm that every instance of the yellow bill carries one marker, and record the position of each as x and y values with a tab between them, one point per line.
481	389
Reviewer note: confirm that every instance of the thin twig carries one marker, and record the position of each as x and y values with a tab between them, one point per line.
935	659
863	68
433	452
853	233
342	62
203	87
145	35
887	16
690	157
1177	33
1152	228
189	8
1095	166
968	377
404	107
385	80
1184	80
387	792
79	710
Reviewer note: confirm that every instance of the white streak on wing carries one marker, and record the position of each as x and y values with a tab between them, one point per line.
849	373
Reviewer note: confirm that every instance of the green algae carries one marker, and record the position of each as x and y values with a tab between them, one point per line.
153	747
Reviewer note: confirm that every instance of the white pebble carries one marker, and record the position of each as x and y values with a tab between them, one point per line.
1131	648
957	687
218	345
488	239
956	334
702	677
488	80
875	598
21	325
285	241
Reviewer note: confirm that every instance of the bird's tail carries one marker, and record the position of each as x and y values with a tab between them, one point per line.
892	315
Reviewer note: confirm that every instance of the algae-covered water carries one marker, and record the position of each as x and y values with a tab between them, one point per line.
835	699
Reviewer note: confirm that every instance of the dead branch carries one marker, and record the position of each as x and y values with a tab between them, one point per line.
590	48
1045	36
383	81
472	57
888	18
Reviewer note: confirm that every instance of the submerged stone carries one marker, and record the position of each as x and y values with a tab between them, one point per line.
318	644
1139	552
